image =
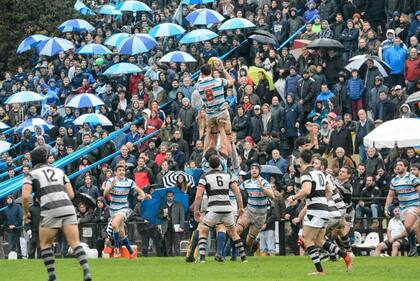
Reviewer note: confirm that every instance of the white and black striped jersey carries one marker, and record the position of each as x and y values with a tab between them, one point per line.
217	185
316	200
336	197
48	184
345	191
332	206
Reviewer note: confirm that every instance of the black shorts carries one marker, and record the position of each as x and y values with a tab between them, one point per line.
403	244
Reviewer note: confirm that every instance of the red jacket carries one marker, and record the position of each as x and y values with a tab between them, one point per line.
134	81
412	69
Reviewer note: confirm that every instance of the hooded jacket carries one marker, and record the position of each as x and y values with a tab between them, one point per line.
373	98
13	215
395	57
408	114
101	215
328	10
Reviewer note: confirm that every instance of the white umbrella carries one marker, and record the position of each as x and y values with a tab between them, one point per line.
4	145
359	63
403	132
92	119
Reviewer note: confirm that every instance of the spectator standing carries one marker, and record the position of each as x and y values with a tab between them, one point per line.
12	222
355	90
363	127
395	57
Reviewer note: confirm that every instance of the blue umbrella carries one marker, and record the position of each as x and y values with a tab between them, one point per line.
92	119
4	146
135	44
204	17
116	39
84	100
83	9
198	35
133	6
122	68
30	42
75	25
53	46
236	23
109	10
196	2
177	56
150	208
31	124
94	49
166	30
23	97
3	126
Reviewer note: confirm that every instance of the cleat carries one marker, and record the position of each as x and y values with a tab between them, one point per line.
244	259
132	256
219	259
189	259
316	273
117	253
87	277
233	259
348	260
201	261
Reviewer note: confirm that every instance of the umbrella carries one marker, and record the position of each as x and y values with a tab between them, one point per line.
3	126
415	97
359	63
236	23
109	10
133	6
402	132
92	119
75	25
30	42
84	100
325	43
135	44
4	145
53	46
150	208
23	97
264	32
177	56
122	68
85	198
263	39
116	39
83	9
169	179
31	125
204	17
166	30
198	35
297	47
94	49
196	2
270	169
253	73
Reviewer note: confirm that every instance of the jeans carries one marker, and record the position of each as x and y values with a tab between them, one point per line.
362	153
267	241
372	211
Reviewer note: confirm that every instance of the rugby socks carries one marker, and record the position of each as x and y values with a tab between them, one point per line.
220	243
194	244
345	240
80	255
240	247
202	244
49	262
126	243
314	254
116	239
334	249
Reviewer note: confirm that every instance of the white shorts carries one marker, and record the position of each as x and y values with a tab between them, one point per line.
211	219
126	212
315	222
409	210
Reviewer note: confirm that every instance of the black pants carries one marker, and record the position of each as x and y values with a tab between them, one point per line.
34	247
148	232
172	240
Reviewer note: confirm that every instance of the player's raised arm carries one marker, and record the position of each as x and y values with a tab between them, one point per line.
266	188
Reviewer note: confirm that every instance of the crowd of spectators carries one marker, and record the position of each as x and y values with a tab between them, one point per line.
318	103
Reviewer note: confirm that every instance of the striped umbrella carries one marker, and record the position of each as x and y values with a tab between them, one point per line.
116	39
109	10
30	42
133	6
31	125
236	23
75	25
170	178
198	35
84	100
122	68
23	97
3	126
135	44
53	46
94	49
204	17
92	119
196	2
83	9
4	145
177	56
166	30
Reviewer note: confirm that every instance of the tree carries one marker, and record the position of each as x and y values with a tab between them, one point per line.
21	18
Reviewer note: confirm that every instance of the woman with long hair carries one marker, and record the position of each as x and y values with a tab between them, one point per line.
181	183
167	130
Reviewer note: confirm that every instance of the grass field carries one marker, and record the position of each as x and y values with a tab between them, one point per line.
258	268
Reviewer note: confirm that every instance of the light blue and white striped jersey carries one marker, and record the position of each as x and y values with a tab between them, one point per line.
257	200
406	189
212	93
119	193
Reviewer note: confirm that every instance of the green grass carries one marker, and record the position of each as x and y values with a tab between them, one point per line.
174	269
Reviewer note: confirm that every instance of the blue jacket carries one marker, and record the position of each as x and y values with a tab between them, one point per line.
291	115
355	88
413	27
291	84
281	163
310	14
395	57
325	97
13	215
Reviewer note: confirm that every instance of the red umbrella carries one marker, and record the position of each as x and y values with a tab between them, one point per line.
297	47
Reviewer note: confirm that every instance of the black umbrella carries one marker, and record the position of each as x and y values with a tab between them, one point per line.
263	39
264	32
88	200
325	43
415	97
